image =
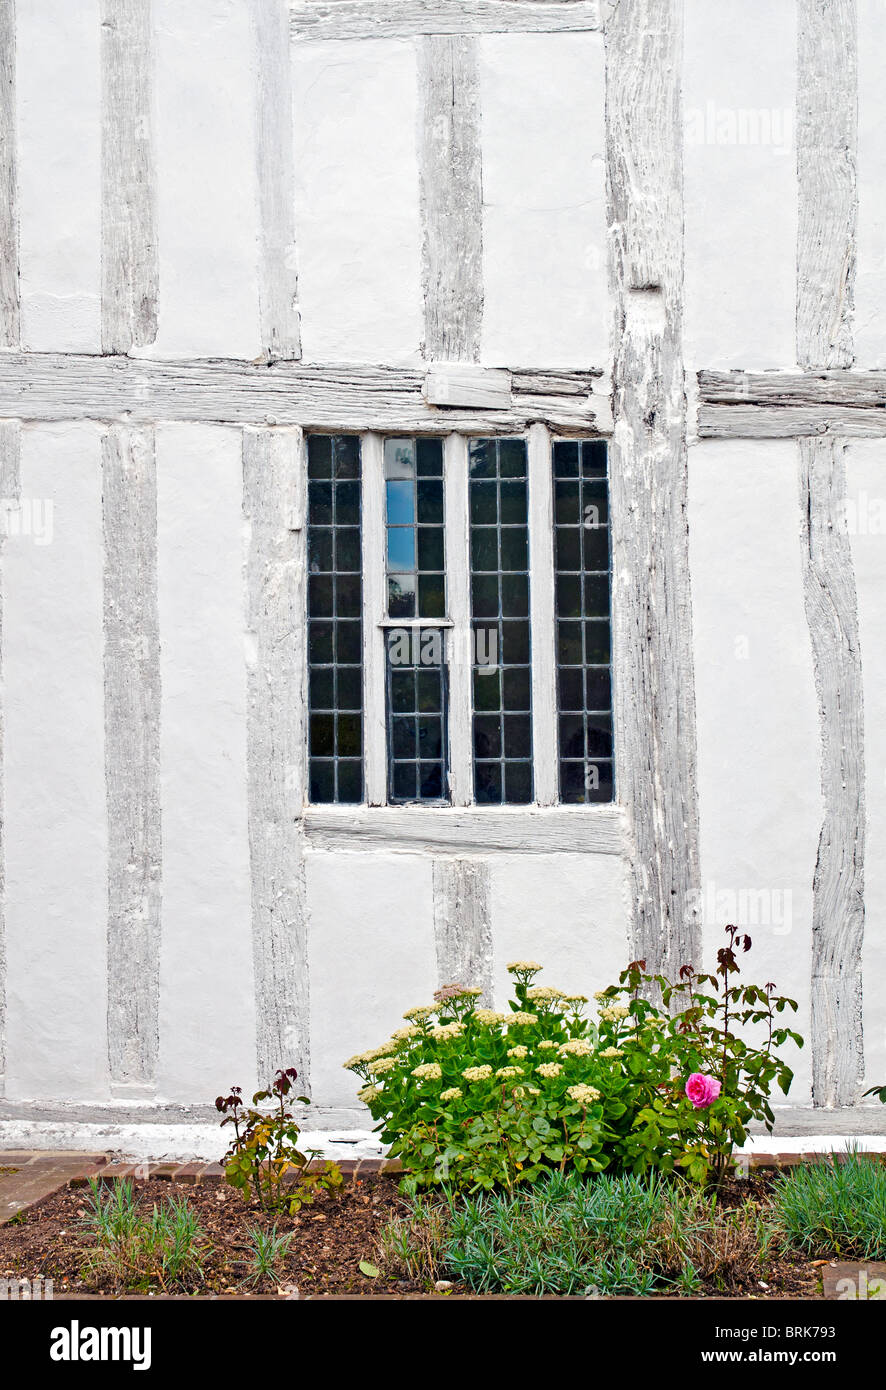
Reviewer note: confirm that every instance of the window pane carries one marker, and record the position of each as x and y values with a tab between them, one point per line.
417	714
335	627
414	520
581	548
502	725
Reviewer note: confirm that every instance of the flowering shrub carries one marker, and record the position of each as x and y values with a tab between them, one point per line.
688	1081
479	1099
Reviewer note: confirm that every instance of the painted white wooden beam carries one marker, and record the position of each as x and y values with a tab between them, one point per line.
275	170
59	386
130	267
276	749
451	201
371	19
10	299
827	215
475	830
132	755
786	405
654	697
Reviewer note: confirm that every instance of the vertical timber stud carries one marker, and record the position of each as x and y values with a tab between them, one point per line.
129	225
10	315
273	504
654	695
451	197
132	755
838	882
827	124
10	491
462	923
278	275
452	279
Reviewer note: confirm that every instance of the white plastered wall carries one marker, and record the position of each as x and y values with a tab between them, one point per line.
358	233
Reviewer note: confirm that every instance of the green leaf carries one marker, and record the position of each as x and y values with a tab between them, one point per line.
369	1270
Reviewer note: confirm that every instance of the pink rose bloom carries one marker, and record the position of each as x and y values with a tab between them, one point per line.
702	1090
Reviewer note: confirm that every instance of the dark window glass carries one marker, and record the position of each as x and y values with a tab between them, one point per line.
414	517
417	714
335	624
584	654
502	702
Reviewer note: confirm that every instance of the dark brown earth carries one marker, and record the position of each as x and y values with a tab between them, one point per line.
330	1239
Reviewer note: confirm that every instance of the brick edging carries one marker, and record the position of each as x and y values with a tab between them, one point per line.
375	1167
194	1173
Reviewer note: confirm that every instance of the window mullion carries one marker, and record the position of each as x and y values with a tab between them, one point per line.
458	589
541	599
374	610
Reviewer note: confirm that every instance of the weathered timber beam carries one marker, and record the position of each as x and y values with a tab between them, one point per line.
790	422
788	405
850	388
368	19
56	386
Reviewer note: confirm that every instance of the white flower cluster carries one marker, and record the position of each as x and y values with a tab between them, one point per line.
362	1059
445	1031
477	1073
384	1064
544	994
522	1019
549	1069
490	1016
519	1051
421	1011
506	1073
524	967
576	1047
612	1052
584	1095
428	1071
451	1093
614	1013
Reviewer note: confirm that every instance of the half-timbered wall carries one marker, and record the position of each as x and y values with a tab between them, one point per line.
227	224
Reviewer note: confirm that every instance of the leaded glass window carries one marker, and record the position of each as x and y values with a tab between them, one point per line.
335	619
502	698
584	658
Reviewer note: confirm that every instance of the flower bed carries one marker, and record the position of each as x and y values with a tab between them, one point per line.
358	1224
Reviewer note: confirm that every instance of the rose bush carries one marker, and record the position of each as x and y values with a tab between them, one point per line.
663	1079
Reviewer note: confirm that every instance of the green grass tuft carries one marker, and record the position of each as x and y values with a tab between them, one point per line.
833	1208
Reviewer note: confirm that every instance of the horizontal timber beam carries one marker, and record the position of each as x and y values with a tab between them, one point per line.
786	405
374	19
468	830
56	386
